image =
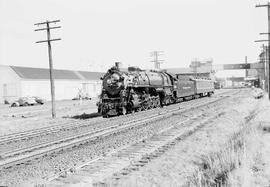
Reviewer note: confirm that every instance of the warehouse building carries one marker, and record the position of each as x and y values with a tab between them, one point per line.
18	82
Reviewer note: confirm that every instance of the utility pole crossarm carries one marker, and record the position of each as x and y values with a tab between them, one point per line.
48	28
261	6
55	21
261	40
158	60
42	41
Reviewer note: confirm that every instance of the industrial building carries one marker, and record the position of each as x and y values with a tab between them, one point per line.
195	69
18	82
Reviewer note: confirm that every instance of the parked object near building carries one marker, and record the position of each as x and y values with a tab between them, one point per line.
39	100
18	82
24	101
257	93
28	101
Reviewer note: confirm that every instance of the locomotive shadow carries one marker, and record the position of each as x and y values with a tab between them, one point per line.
86	116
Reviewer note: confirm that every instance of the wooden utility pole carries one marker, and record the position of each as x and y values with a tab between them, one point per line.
246	74
264	61
266	69
49	40
268	33
157	61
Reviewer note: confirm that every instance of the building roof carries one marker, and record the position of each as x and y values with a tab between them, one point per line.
178	71
43	73
91	75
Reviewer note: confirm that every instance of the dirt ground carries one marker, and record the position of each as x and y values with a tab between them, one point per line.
17	119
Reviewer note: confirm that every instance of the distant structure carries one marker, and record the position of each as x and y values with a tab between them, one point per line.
16	81
261	74
196	69
156	60
206	65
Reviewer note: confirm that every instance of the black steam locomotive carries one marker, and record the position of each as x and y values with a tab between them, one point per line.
135	90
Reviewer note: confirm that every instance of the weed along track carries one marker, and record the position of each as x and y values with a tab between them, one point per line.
215	168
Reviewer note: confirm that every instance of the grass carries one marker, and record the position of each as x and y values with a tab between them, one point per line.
217	167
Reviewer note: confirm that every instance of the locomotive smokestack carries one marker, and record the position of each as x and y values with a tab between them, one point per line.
117	65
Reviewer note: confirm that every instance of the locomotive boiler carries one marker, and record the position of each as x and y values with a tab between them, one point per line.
126	91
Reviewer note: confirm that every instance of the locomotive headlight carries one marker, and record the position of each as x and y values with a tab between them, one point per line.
109	81
114	78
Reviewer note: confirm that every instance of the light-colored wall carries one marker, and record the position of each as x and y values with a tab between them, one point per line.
16	87
92	88
35	88
10	82
64	89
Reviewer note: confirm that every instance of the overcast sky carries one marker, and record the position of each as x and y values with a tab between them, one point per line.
97	33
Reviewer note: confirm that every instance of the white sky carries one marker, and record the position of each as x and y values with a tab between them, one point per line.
97	33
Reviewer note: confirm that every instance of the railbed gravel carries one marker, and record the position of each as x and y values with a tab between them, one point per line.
88	125
57	162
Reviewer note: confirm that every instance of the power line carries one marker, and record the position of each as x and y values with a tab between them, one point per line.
156	60
268	33
49	40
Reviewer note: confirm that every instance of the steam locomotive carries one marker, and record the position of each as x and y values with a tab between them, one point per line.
127	91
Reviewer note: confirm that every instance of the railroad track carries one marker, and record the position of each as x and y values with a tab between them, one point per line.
127	159
55	128
41	131
18	156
